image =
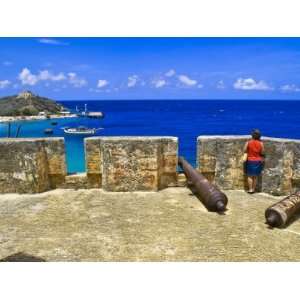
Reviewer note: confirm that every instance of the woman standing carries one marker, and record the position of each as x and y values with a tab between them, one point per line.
254	149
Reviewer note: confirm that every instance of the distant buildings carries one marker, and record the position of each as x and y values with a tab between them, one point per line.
26	95
65	112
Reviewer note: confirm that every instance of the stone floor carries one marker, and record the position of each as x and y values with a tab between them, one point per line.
170	225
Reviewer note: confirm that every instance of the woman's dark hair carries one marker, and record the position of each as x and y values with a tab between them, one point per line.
256	134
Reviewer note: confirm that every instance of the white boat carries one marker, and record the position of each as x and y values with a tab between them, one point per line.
95	114
90	114
80	130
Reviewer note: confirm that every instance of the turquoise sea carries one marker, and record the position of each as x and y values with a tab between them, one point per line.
185	119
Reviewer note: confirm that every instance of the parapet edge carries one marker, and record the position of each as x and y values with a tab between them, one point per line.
131	138
236	137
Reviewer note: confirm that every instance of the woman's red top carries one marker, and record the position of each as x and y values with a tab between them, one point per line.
254	150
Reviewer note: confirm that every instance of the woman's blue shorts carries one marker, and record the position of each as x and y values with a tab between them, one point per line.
254	168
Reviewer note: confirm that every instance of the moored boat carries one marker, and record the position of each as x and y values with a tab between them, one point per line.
80	130
95	115
48	131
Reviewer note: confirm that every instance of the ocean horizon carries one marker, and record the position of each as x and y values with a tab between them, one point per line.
185	119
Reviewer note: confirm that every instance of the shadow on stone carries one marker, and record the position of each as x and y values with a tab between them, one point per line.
22	257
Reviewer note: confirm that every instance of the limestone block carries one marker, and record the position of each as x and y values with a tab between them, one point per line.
296	166
206	154
168	162
23	166
131	163
93	162
276	176
219	159
181	180
57	169
75	181
229	171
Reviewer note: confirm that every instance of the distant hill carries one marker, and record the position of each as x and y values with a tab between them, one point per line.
28	104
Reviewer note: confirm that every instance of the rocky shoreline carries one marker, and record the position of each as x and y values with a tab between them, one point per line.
5	119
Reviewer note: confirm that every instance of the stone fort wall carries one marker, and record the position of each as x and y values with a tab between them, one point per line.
31	165
112	163
131	163
142	164
219	158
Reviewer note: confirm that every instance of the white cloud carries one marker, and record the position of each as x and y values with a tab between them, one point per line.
28	78
186	80
102	83
7	63
4	84
132	81
290	88
76	81
52	42
251	84
159	83
221	85
46	75
170	73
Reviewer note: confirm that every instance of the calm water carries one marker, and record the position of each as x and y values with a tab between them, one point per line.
185	119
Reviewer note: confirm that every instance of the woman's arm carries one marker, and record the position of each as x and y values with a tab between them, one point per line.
245	147
262	150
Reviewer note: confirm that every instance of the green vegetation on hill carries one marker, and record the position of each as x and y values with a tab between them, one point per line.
28	105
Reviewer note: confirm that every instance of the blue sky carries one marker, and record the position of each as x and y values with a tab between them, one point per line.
151	68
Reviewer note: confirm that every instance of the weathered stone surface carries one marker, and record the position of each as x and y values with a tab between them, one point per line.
131	163
57	168
170	225
75	181
220	160
31	165
93	162
181	180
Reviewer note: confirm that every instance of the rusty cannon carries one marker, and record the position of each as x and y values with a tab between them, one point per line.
211	197
281	212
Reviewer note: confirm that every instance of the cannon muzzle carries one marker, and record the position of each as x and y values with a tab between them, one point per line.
281	212
211	197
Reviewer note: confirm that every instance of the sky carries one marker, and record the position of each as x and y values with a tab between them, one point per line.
151	68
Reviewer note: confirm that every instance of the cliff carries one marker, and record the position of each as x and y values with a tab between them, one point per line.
28	104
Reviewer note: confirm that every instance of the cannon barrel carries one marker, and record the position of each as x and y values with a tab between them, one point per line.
211	197
281	212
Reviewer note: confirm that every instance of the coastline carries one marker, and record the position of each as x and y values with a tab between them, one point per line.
5	119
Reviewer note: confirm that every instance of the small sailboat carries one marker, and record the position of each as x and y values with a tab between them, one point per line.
48	131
